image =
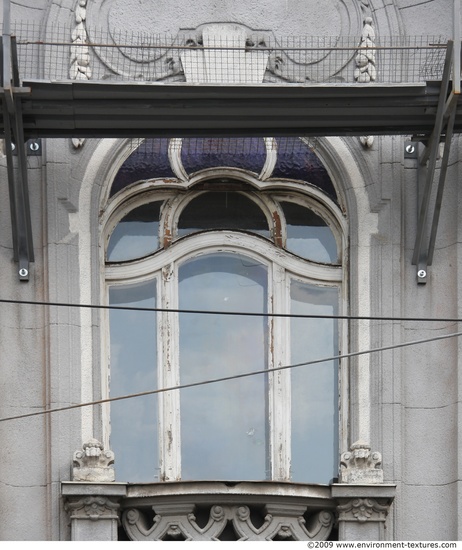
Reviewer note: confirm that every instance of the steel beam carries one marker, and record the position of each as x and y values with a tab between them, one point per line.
420	255
14	139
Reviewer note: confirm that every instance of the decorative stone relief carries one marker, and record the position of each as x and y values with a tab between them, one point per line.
93	508
158	57
93	463
367	141
365	6
80	68
360	465
226	55
178	521
363	509
365	60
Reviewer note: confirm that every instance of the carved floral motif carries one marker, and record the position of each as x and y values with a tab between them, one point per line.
92	507
362	510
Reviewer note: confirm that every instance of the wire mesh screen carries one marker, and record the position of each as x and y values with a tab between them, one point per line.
85	53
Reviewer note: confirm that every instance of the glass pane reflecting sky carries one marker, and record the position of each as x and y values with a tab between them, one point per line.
314	387
136	235
308	235
224	427
134	369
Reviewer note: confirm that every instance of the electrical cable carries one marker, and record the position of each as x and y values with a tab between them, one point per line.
234	313
234	377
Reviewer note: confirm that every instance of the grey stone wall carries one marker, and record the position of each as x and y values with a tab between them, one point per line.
52	356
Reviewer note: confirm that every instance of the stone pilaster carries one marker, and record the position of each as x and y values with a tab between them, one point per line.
92	498
93	517
363	499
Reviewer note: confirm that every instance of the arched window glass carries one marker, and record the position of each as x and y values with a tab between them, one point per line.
222	210
224	297
136	235
223	288
308	235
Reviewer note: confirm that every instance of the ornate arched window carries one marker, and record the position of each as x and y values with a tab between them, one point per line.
219	249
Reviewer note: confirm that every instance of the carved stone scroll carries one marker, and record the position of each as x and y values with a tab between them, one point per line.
93	463
360	465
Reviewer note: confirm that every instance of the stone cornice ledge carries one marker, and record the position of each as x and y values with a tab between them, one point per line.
359	490
83	488
320	494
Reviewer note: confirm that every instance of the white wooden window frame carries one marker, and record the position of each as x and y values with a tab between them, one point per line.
282	267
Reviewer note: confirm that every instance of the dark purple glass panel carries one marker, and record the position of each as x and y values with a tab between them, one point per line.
149	160
246	153
297	161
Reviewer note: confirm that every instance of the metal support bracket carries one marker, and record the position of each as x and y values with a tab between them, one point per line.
14	141
444	124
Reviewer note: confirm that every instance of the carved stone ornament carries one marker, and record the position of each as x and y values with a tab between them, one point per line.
93	463
159	59
363	509
178	521
367	141
92	507
360	465
79	66
366	71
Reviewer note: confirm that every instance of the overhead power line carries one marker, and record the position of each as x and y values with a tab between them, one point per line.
234	377
235	313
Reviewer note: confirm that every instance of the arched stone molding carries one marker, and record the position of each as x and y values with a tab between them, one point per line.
350	173
348	176
386	16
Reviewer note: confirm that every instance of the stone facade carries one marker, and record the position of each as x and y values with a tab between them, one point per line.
401	479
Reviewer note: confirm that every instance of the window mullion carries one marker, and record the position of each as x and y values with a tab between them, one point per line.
169	402
279	381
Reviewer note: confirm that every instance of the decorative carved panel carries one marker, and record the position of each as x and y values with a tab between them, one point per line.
227	522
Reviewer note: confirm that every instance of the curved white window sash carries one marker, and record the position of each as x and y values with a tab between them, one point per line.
285	271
